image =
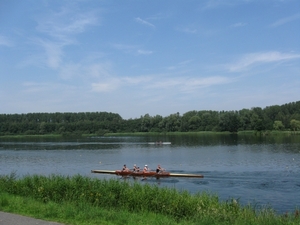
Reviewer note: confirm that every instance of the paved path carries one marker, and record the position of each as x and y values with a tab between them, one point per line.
13	219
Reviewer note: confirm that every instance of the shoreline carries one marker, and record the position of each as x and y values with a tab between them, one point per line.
250	132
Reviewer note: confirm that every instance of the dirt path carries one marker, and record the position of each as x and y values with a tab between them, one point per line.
13	219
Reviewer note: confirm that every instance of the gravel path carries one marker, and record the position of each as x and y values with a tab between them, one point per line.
13	219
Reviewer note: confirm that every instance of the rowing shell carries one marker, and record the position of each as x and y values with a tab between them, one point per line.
146	174
159	143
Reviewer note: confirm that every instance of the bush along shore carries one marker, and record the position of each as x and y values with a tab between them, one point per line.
84	200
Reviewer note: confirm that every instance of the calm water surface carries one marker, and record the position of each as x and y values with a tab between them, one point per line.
263	171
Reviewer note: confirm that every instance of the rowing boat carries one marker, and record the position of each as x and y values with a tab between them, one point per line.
146	174
159	143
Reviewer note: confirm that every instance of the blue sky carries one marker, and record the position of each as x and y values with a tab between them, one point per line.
134	57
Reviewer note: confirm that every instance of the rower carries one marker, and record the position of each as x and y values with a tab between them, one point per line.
135	169
145	169
125	168
159	169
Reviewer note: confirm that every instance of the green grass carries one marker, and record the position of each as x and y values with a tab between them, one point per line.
248	132
84	200
32	136
82	214
166	133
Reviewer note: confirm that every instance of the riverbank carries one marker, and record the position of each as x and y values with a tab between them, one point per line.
263	133
84	200
247	132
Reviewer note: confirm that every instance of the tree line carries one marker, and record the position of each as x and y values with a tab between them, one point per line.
284	117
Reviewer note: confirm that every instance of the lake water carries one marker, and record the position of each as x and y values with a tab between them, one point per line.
263	171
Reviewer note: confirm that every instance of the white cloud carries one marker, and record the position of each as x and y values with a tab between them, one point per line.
240	24
5	41
66	22
100	70
101	73
124	47
137	80
286	20
159	82
188	30
166	83
144	22
85	72
54	54
189	84
207	81
171	68
61	28
144	52
210	4
159	16
185	62
259	58
36	87
69	71
105	86
133	49
196	83
51	55
37	60
180	65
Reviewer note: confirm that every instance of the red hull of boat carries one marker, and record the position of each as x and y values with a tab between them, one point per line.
143	174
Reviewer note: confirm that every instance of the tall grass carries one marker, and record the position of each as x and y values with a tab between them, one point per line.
166	133
117	195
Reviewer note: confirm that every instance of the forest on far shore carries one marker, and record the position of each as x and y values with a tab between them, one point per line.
276	117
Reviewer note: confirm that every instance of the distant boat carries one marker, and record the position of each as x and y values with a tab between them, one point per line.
159	143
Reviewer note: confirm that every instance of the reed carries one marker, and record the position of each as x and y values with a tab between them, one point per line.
178	133
87	197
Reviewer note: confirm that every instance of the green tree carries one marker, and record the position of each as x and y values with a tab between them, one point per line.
209	119
184	126
229	121
42	128
172	122
155	123
194	123
259	125
295	124
278	125
146	123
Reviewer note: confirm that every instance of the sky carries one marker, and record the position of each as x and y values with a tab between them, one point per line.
137	57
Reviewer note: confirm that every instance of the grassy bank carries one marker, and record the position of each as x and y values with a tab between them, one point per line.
165	133
84	200
73	214
32	136
248	132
